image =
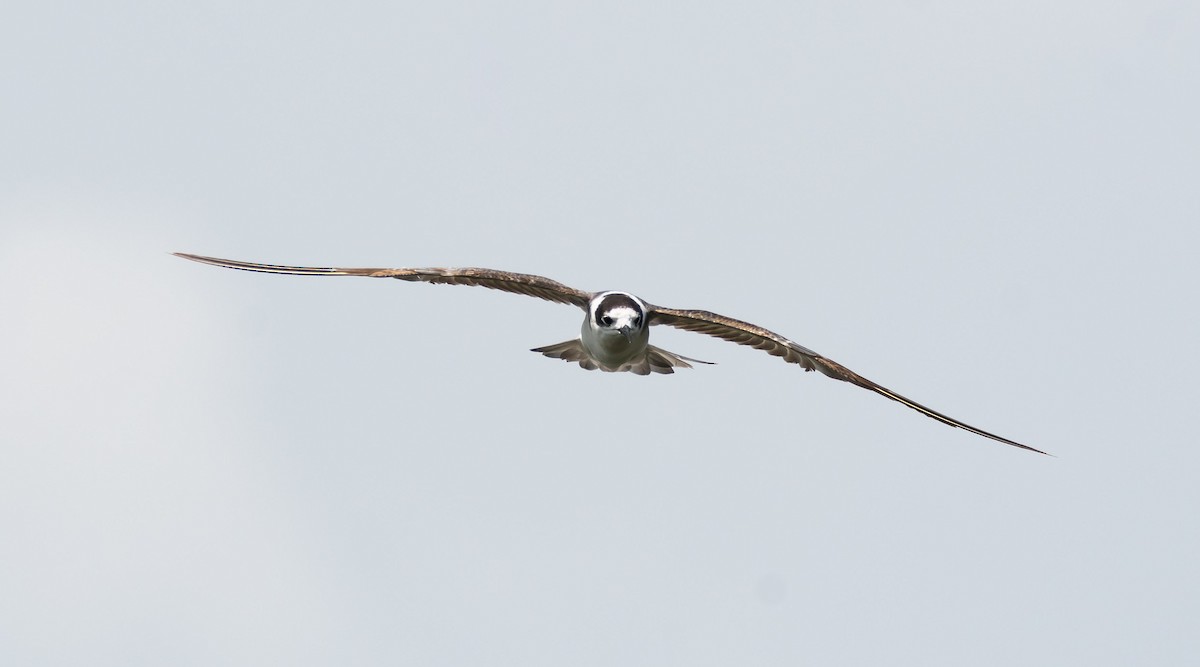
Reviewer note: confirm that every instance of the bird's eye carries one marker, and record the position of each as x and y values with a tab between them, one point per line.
606	320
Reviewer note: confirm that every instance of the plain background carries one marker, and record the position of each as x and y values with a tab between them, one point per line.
990	207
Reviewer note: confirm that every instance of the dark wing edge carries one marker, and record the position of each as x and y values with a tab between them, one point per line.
516	283
744	333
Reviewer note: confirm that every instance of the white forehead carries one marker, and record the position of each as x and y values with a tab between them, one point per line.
602	296
621	313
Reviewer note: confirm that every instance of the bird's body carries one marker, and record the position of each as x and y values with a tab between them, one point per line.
615	336
614	339
612	332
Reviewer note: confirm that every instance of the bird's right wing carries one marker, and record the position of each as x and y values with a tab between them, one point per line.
517	283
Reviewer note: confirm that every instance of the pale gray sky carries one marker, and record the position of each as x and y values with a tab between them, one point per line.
991	208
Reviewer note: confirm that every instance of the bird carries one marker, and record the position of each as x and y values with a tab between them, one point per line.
615	335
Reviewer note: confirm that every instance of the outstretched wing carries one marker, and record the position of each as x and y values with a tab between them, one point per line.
744	333
517	283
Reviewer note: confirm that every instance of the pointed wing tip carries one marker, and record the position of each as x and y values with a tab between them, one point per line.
211	261
1020	446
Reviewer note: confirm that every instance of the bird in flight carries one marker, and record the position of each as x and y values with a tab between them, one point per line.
615	336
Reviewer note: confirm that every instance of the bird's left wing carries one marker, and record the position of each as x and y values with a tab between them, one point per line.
744	333
517	283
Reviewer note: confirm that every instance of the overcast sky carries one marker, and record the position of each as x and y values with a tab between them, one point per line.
989	207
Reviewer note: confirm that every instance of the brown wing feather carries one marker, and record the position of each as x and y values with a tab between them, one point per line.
517	283
744	333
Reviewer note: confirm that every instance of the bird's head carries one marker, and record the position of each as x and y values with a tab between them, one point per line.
618	313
